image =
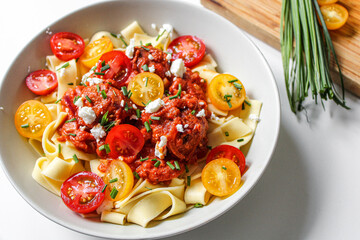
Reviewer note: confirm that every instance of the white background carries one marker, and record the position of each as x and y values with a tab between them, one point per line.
311	189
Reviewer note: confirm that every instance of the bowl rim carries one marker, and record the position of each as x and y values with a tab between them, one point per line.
180	229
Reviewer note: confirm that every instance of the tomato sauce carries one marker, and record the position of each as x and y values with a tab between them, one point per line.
185	144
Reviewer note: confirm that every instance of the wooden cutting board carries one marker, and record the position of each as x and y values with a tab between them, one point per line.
261	18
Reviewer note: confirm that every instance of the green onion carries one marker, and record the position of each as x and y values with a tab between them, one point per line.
154	159
240	140
113	193
129	94
99	73
72	134
231	81
75	99
83	84
87	98
144	159
243	106
136	175
63	66
147	49
70	83
157	38
103	63
124	91
237	85
104	68
105	147
227	134
76	160
177	94
229	103
223	167
306	49
57	101
247	102
59	148
150	122
146	81
98	88
227	96
147	44
113	180
198	205
70	120
126	107
138	113
145	67
122	39
155	118
103	190
188	180
148	188
114	93
103	94
186	169
170	165
25	125
147	127
209	147
114	35
193	112
157	164
177	166
104	119
109	126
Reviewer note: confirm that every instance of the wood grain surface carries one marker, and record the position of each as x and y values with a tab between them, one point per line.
261	18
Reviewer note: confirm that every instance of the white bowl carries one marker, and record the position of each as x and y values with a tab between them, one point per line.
233	51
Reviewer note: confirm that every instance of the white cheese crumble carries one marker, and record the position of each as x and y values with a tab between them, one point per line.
122	103
177	67
201	113
180	128
129	51
79	102
168	57
214	117
154	106
254	117
106	205
87	114
186	125
86	76
150	57
134	106
93	81
201	103
98	132
160	148
82	128
48	31
168	28
168	73
29	69
153	26
152	69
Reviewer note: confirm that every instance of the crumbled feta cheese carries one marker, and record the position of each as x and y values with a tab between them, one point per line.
201	103
79	102
153	26
106	205
180	128
154	106
214	117
129	51
177	67
186	125
98	132
201	113
48	31
168	73
82	128
254	117
86	76
168	28
150	57
134	106
29	69
133	117
87	114
122	103
168	57
152	69
93	81
160	148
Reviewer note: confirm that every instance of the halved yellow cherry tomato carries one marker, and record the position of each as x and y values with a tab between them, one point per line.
94	50
335	15
324	2
146	87
226	92
31	119
120	177
221	177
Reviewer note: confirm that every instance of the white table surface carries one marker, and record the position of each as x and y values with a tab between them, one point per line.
311	189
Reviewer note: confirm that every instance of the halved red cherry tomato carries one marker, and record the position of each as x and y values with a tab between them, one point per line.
119	66
124	140
82	192
67	45
190	48
229	152
41	82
